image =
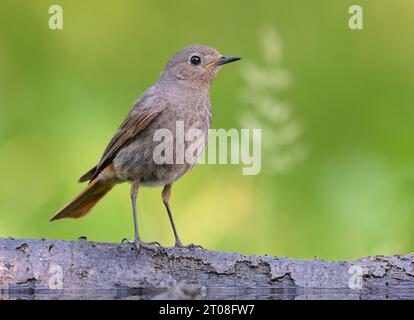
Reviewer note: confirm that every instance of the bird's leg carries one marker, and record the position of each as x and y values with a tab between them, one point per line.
166	193
137	239
134	193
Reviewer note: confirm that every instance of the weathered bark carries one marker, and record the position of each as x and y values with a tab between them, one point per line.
82	269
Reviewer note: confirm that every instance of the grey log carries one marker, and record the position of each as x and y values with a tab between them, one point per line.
34	268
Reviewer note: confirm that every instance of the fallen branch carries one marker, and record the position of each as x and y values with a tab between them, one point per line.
36	266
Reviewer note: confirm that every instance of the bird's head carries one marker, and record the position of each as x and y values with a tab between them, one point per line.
195	67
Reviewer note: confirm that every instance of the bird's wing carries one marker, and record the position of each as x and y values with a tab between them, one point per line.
141	115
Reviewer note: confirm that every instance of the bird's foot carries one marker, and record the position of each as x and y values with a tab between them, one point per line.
190	246
141	244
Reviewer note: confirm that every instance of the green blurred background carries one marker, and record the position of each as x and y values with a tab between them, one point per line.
63	93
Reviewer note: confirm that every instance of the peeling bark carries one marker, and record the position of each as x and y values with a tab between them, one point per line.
82	269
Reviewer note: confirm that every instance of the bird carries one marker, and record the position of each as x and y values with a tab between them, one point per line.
181	94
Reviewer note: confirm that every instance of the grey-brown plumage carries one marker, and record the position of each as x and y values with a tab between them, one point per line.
180	95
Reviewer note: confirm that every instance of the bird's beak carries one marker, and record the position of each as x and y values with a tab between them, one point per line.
226	59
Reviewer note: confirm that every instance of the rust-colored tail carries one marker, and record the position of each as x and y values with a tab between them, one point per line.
85	200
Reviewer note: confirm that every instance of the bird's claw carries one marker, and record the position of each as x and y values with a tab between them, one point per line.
190	246
140	244
152	243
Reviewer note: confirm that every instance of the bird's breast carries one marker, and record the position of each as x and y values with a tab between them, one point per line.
180	130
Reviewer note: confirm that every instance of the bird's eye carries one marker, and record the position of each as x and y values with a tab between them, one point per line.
195	60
